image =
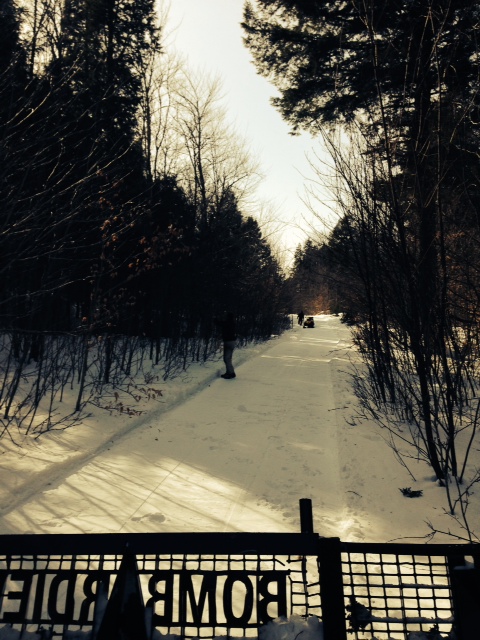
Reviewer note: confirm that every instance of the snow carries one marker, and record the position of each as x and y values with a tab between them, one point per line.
283	629
228	455
310	628
279	629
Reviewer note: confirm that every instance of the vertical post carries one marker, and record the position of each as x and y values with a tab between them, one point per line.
465	585
331	589
306	516
124	616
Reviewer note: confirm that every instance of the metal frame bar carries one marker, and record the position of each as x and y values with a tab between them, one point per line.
394	576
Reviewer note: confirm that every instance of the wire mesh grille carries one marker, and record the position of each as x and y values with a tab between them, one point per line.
391	595
193	596
230	585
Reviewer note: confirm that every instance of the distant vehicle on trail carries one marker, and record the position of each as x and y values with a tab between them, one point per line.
309	323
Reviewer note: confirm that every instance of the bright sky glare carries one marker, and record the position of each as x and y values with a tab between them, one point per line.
209	35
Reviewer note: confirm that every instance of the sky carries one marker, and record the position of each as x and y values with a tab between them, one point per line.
208	32
217	455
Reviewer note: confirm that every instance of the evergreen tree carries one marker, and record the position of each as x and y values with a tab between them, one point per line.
313	281
15	93
329	60
88	181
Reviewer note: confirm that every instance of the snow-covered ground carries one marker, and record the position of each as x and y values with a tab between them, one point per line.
228	455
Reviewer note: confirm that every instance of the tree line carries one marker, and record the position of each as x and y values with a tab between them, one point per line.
392	89
123	228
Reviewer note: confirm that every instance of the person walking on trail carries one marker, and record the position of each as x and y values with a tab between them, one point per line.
300	317
229	337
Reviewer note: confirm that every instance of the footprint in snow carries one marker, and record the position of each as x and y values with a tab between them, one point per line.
151	517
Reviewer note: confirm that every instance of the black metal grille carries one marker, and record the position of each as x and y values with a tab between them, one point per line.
66	587
61	594
390	595
302	592
208	585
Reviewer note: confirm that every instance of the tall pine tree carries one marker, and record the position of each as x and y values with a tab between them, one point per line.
92	169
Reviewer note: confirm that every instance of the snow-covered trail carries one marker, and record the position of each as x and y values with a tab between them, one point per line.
236	456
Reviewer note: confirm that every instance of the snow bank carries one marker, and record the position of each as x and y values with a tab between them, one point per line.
279	629
289	629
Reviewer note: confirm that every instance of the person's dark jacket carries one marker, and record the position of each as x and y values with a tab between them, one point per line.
229	331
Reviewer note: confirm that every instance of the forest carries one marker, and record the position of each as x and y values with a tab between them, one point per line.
123	231
392	89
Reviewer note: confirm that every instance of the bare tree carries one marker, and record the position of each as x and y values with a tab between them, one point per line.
41	31
212	159
423	392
